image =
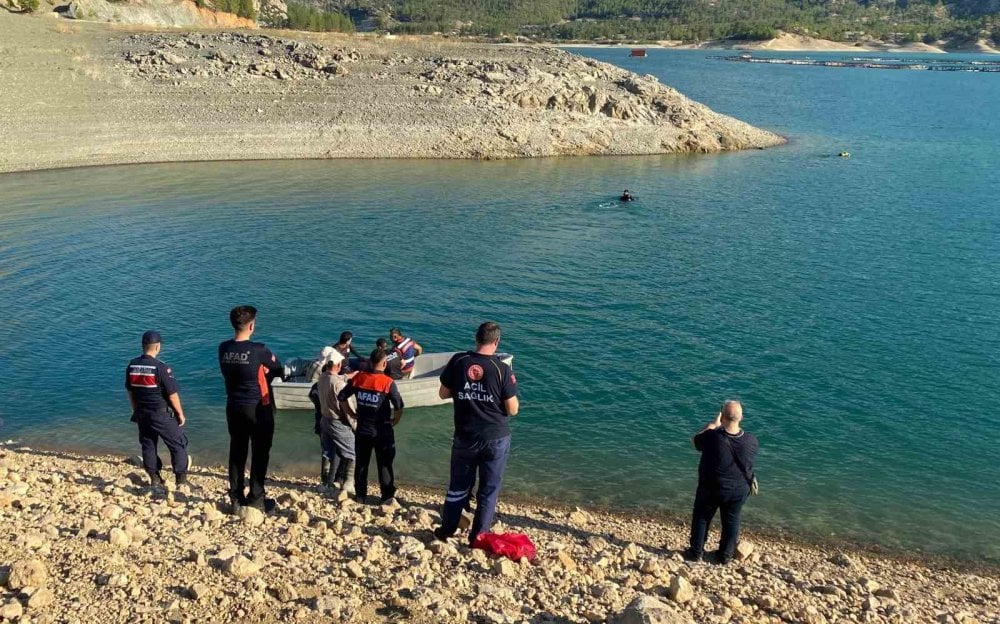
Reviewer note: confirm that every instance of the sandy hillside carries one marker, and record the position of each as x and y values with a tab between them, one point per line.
87	93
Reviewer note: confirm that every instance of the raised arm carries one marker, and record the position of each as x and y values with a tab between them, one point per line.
715	424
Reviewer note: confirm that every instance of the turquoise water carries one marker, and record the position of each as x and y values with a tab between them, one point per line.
852	304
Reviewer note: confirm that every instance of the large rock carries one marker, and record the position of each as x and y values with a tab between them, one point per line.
11	611
251	516
27	573
680	589
649	610
240	567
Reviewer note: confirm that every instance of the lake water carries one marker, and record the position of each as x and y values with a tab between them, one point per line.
852	304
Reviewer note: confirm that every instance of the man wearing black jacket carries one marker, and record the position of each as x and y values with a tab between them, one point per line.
248	369
725	473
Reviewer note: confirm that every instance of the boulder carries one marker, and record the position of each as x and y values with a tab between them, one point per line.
11	611
680	589
41	599
580	518
505	567
355	570
251	516
27	573
744	550
119	538
649	610
240	567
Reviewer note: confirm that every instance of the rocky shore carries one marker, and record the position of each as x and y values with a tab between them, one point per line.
88	94
88	541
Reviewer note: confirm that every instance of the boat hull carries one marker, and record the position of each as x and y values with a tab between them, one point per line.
421	390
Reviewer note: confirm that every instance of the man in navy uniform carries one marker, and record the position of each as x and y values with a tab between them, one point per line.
379	409
484	390
248	369
156	408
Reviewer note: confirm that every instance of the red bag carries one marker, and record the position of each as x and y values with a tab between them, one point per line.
514	546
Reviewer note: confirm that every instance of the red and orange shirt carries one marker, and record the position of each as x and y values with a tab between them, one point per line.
377	396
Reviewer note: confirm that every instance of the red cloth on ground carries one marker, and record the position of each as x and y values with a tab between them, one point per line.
514	546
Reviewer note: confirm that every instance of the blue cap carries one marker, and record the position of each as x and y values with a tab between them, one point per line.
151	337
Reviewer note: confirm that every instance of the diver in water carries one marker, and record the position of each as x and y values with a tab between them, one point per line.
626	196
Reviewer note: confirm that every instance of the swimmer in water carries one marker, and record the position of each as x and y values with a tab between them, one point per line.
626	196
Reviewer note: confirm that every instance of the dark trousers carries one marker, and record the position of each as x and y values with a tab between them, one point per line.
156	427
489	458
250	427
383	443
707	500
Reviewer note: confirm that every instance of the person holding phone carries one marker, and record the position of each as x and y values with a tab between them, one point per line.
725	478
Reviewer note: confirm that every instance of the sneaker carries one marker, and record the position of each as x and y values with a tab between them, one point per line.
692	556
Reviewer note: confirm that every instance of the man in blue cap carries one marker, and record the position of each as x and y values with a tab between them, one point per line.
156	408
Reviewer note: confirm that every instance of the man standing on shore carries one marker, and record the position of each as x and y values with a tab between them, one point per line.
484	390
725	474
407	348
248	369
156	408
336	427
379	409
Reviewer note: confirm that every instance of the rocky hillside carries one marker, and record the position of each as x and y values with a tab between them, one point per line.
212	95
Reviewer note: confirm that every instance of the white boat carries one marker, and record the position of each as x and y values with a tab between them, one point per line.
420	390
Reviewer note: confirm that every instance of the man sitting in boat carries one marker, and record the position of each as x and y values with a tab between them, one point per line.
346	349
407	348
393	361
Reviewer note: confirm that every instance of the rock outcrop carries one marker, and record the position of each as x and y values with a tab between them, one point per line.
167	13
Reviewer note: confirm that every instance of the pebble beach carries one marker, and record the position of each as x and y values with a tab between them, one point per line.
89	541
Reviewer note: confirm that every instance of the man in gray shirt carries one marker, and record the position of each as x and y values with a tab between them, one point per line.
336	427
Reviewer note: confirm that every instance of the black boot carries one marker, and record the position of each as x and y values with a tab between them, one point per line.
181	479
324	471
155	479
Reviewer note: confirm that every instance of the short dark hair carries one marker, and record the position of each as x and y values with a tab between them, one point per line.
395	331
327	366
241	316
345	336
488	333
381	344
377	356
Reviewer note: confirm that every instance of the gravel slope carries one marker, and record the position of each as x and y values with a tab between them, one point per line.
87	94
88	542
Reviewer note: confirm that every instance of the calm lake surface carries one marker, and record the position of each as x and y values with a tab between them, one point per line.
852	304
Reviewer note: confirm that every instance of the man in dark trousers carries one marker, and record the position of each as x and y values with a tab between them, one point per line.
156	408
725	473
379	409
484	390
248	369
